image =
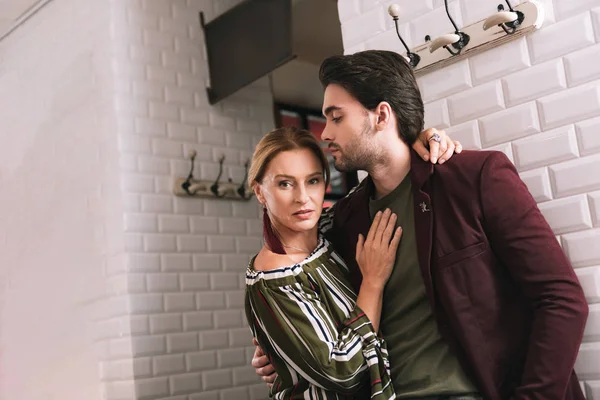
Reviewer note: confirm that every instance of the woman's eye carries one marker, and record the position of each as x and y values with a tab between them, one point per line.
285	184
314	181
336	119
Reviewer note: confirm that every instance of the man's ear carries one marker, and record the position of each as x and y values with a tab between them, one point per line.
384	113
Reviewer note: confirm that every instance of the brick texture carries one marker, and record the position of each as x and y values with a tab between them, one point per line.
62	250
140	290
193	343
106	99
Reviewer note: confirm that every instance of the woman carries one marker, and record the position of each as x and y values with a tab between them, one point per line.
319	335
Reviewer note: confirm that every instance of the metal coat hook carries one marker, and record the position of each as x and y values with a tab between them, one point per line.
215	186
241	190
228	190
456	30
413	58
509	21
188	182
457	40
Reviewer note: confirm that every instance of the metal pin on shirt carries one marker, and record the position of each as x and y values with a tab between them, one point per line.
424	207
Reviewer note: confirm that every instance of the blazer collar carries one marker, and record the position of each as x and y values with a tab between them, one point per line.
354	217
420	170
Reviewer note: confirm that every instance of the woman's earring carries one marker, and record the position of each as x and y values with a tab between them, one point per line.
272	240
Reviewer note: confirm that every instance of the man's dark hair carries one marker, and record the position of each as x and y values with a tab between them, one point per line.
374	76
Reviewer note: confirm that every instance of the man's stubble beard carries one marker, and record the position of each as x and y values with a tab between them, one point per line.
359	154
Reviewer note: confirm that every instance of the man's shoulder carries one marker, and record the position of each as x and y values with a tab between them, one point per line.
473	156
463	177
471	161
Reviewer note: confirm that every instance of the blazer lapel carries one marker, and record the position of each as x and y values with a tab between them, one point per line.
420	172
354	219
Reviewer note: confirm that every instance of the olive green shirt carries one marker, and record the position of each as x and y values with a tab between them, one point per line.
421	362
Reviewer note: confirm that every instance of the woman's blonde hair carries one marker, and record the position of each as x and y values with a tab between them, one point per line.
273	143
278	141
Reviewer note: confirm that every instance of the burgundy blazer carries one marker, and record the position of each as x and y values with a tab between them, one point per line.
503	293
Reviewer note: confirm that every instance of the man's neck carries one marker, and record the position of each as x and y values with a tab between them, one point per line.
389	173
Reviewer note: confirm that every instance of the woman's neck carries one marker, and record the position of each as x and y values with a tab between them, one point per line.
298	242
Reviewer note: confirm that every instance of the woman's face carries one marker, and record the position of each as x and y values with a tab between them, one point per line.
293	189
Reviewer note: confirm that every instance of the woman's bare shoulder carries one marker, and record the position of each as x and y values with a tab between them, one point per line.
266	260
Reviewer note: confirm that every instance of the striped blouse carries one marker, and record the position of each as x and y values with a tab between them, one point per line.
321	344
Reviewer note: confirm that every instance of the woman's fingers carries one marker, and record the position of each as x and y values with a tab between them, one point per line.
359	245
396	240
448	153
383	222
374	226
389	229
458	146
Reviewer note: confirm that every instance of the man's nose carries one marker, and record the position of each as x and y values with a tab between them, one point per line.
326	134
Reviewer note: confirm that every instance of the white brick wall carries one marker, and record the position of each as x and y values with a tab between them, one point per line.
60	207
115	289
537	99
187	256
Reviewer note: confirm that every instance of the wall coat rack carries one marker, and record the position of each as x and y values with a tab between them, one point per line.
190	187
508	23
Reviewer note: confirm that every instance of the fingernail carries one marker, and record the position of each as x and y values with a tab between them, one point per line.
434	159
426	157
442	161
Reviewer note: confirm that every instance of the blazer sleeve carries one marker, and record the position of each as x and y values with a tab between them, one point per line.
522	239
299	327
326	221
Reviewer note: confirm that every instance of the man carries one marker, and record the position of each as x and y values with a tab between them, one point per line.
482	302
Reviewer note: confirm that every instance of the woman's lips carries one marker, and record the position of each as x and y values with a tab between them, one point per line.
303	214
